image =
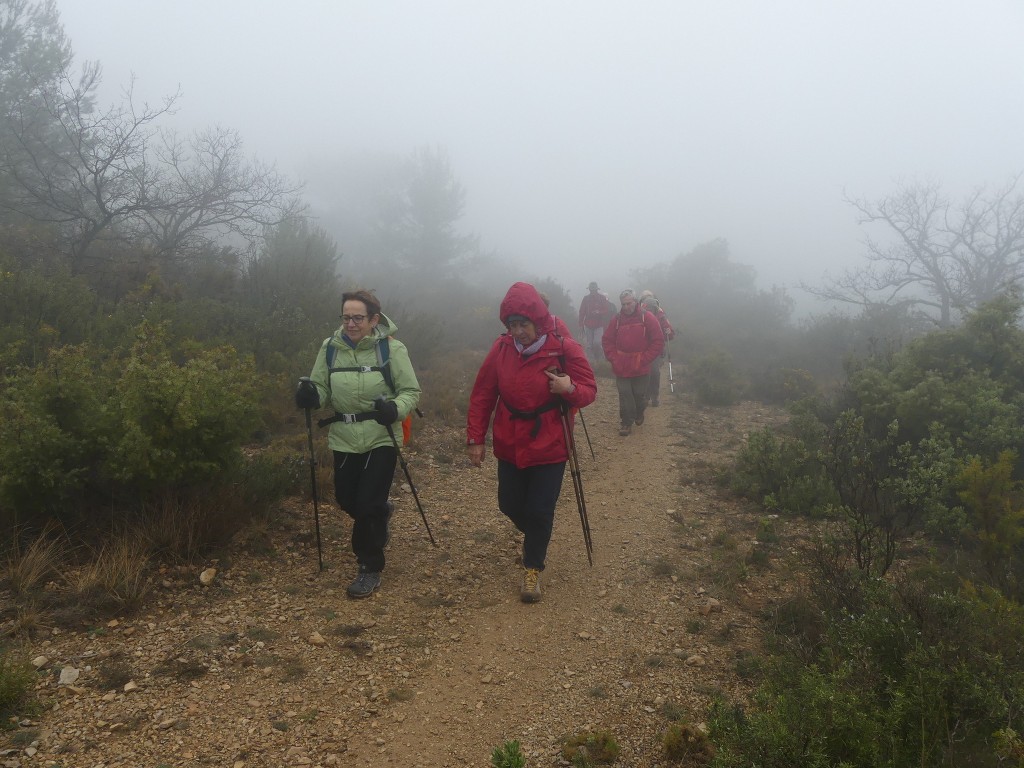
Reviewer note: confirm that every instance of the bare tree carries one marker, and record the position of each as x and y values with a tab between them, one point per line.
940	260
114	173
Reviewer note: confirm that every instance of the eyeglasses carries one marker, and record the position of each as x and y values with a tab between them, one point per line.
357	319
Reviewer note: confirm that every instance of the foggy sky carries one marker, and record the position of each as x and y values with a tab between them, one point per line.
594	136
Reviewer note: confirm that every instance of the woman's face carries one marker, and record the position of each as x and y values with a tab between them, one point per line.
355	320
523	331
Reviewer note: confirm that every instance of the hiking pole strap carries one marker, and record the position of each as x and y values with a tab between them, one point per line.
312	478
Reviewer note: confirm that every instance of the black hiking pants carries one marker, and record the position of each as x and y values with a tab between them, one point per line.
362	482
528	497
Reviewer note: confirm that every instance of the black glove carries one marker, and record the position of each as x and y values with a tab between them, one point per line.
387	411
306	395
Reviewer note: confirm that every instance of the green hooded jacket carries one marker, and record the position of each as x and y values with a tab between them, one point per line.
355	391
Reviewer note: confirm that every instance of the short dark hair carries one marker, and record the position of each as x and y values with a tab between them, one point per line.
365	296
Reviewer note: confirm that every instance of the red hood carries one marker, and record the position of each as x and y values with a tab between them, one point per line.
523	299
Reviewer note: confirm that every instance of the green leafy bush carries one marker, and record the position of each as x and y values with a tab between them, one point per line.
16	681
917	676
716	379
508	755
80	432
587	749
782	469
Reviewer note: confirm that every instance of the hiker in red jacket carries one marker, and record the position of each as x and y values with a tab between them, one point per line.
650	302
530	381
632	340
595	312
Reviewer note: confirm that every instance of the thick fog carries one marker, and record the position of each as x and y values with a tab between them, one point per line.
595	136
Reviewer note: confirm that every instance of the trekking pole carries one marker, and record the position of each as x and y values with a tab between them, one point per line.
405	469
590	445
671	381
312	478
577	482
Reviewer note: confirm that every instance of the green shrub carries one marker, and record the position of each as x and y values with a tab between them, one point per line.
915	677
508	755
683	743
80	433
996	505
16	679
716	379
587	749
783	472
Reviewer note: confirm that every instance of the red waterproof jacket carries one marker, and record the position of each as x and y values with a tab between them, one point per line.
666	326
631	342
528	427
561	328
595	310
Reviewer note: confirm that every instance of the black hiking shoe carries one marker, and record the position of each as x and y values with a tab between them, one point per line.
624	430
364	585
640	419
387	521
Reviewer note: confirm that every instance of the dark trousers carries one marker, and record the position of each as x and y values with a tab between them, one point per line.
362	482
528	497
632	398
593	338
654	380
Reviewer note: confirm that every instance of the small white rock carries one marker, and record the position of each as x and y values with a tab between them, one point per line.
206	577
68	675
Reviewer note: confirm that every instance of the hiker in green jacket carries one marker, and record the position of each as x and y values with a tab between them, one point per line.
367	377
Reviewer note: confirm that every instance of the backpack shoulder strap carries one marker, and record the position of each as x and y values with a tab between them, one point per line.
383	348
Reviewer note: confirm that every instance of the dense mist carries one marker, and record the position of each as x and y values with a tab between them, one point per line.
592	138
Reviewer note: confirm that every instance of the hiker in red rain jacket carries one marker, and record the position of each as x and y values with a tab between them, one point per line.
561	329
632	341
650	302
530	381
595	312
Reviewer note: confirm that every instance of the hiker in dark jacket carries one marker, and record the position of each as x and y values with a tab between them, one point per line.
632	340
527	378
353	383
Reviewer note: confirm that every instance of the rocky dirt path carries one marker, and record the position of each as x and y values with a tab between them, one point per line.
270	665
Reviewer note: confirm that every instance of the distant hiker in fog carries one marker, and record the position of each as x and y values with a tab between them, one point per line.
561	328
632	340
368	379
650	302
595	312
529	381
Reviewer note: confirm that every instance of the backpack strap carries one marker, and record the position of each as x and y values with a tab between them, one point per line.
383	351
384	361
347	418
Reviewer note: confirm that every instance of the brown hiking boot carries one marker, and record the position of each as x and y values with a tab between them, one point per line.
530	591
625	430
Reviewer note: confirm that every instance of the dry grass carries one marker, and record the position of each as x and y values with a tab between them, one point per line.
119	572
28	568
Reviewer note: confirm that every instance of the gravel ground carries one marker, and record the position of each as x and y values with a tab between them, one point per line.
271	665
